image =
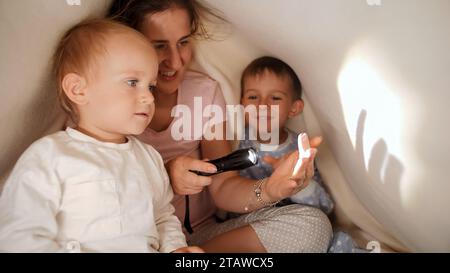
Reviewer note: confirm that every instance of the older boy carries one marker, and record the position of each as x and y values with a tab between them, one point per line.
268	81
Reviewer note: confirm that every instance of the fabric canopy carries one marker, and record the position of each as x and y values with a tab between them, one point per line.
374	74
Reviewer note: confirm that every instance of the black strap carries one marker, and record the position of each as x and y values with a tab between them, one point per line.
187	221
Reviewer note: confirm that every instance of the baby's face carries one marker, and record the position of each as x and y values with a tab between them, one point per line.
120	100
269	89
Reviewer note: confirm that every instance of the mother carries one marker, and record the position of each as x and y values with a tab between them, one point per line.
170	25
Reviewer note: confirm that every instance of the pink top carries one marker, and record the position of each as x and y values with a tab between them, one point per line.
194	86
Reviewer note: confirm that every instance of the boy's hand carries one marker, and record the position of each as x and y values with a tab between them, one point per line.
184	181
189	249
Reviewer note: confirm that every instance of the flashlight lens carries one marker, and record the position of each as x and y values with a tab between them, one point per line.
252	156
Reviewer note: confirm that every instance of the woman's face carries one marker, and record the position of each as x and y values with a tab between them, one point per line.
170	33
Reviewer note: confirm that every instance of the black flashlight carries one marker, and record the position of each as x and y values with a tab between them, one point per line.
237	160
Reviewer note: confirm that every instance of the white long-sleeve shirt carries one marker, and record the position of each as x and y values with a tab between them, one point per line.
71	192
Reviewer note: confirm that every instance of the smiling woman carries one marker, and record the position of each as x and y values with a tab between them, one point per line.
170	34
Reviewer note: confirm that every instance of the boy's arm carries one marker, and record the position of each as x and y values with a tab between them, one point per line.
28	207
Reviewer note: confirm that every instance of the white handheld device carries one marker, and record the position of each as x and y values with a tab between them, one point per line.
303	150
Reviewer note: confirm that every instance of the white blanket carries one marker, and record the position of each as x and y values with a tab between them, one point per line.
376	83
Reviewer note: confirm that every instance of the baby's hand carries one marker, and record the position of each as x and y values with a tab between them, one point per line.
189	249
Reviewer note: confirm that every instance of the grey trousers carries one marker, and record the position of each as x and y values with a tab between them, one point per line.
289	229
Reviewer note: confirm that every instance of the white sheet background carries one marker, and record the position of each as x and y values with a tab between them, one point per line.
376	88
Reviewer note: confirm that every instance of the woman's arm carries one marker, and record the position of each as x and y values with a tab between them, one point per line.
232	192
235	193
229	190
229	187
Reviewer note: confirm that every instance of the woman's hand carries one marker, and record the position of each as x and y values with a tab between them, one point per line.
283	182
275	162
184	181
189	249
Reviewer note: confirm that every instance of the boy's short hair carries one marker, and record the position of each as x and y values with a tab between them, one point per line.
276	66
77	52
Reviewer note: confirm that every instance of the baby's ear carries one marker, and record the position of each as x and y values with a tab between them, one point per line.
296	108
74	86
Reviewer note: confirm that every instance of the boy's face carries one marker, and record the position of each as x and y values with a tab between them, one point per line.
119	90
269	89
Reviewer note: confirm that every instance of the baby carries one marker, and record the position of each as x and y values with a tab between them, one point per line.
94	187
268	81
